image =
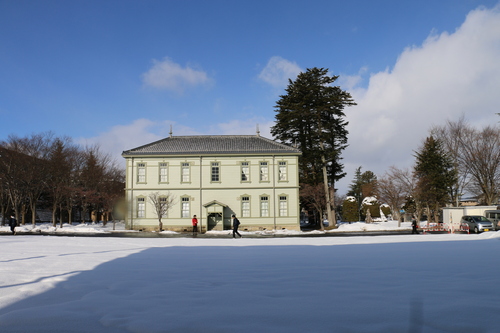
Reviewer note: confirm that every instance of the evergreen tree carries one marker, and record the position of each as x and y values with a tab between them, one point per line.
355	187
363	185
373	205
435	175
311	116
386	210
350	210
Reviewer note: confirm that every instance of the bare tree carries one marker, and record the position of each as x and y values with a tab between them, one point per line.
60	161
396	186
12	171
314	195
162	204
4	200
481	155
72	187
64	175
450	135
392	192
28	174
97	172
112	191
476	154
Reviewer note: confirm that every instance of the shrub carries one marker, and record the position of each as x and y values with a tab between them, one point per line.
350	210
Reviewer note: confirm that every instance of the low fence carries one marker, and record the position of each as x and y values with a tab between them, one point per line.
441	227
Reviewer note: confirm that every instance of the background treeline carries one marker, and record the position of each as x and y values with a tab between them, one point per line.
43	171
455	161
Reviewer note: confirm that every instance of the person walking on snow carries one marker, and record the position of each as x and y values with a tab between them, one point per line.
236	224
13	224
194	222
414	226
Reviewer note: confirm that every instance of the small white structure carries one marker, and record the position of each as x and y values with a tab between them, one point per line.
453	215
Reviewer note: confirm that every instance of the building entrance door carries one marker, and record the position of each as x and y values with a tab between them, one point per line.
214	221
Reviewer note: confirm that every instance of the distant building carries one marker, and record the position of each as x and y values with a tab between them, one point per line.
214	177
470	201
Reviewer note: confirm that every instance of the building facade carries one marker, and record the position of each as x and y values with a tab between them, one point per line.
213	177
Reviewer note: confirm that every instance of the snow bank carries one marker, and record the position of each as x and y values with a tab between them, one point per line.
98	228
399	283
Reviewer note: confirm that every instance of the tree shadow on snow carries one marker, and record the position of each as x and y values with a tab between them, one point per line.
405	287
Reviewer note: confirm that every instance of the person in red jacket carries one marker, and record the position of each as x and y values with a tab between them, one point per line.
194	221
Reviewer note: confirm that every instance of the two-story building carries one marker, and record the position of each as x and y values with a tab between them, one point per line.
213	177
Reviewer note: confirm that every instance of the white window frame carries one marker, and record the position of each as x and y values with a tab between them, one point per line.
283	205
245	206
163	201
141	173
163	172
185	207
245	171
185	172
215	172
141	207
282	171
264	206
264	171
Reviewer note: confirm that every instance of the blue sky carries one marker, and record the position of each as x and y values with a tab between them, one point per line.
120	73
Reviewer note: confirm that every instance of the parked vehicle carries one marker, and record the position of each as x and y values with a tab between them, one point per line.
494	217
304	222
477	223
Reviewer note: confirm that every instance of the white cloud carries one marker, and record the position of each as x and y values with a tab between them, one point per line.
350	82
138	133
169	75
449	75
244	127
278	71
144	131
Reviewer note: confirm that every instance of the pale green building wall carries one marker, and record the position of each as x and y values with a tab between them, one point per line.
201	190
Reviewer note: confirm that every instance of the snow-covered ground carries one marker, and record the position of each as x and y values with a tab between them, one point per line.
120	227
398	283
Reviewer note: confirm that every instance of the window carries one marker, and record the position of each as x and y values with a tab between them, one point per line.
283	205
185	207
264	172
215	172
245	172
185	172
141	207
163	205
264	206
163	172
245	206
141	172
282	171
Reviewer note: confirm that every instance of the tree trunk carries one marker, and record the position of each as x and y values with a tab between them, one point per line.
84	212
23	214
333	222
327	196
54	220
33	214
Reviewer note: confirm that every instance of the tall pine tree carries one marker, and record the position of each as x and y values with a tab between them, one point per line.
435	175
311	115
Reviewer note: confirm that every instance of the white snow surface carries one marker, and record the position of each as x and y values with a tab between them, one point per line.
330	283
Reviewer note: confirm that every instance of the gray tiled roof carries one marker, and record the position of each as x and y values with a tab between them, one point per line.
213	144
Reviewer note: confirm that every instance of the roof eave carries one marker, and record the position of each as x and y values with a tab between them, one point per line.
160	154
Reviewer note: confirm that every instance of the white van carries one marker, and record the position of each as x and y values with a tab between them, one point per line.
494	217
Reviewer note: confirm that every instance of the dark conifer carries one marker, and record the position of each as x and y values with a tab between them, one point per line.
435	175
311	116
